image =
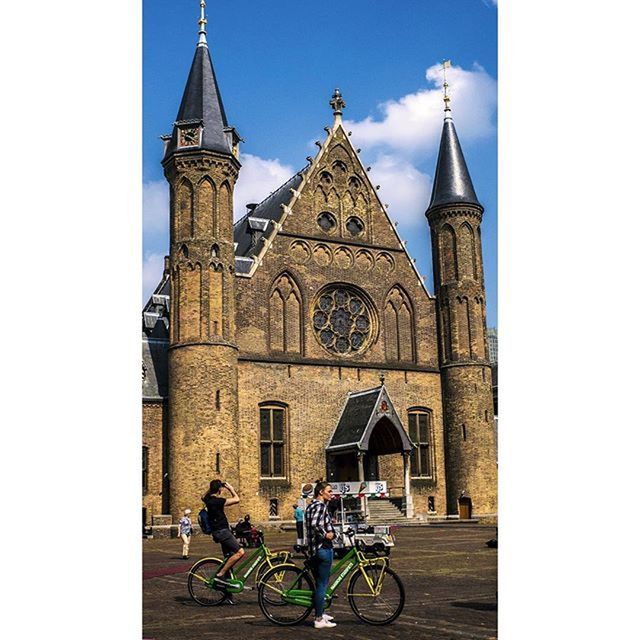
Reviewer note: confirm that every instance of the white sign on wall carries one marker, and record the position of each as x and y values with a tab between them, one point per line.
377	488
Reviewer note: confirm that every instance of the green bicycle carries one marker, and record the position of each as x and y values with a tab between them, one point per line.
200	580
375	592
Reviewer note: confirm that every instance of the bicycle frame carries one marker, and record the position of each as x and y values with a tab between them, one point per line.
345	567
242	570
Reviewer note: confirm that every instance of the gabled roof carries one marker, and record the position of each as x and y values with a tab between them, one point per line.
279	204
155	342
361	414
155	314
249	230
202	104
452	183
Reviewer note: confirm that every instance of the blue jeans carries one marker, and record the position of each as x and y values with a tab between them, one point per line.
322	566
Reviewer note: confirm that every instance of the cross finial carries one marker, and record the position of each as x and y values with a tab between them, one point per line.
203	25
337	103
447	107
382	379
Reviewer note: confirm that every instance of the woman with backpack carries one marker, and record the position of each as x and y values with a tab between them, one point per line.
219	526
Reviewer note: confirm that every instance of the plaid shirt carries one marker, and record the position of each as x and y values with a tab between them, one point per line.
318	524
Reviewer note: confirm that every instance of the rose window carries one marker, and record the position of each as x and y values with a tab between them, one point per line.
342	321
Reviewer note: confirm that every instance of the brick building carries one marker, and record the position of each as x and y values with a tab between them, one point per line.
300	342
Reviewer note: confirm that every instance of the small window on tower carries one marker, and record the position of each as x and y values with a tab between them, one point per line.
327	222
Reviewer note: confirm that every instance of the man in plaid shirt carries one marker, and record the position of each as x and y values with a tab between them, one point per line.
320	535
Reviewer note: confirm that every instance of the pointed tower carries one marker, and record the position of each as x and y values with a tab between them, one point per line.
454	215
201	166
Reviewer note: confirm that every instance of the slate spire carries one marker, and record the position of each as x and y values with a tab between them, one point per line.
201	104
452	183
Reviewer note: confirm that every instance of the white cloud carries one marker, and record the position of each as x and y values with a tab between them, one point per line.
413	123
152	268
403	187
155	207
258	178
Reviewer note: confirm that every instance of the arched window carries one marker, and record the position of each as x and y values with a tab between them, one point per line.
398	318
273	432
145	469
420	433
285	315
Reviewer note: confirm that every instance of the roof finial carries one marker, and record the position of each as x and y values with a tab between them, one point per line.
447	107
337	103
382	379
203	25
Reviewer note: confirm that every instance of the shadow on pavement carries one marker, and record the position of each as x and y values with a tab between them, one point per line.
478	606
186	600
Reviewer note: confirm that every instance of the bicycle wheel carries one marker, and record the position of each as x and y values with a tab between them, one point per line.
200	583
273	585
282	557
376	609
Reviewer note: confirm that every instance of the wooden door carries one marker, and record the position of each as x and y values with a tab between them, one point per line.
464	508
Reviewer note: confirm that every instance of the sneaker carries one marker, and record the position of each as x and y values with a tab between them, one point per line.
185	557
229	600
327	617
323	624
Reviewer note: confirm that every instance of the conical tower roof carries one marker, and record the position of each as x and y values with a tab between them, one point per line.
202	103
452	183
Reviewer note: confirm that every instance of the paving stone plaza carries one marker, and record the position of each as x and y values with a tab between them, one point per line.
449	574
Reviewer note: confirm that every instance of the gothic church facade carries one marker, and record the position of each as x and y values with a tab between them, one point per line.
300	342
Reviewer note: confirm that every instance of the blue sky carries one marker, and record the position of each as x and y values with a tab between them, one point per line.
277	64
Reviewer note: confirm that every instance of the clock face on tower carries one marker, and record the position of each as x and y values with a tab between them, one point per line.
189	137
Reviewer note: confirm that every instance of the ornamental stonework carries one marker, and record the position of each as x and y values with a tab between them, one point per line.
343	320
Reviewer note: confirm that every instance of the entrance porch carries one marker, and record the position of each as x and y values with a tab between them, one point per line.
368	428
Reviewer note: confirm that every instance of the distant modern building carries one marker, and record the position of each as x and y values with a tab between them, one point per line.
492	341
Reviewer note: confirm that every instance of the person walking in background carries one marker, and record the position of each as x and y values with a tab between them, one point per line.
185	530
298	515
320	535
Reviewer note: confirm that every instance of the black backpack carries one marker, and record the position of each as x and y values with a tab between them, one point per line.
203	521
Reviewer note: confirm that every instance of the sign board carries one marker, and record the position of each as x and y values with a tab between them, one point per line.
370	488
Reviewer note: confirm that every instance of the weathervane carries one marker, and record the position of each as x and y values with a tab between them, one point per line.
447	107
202	24
337	103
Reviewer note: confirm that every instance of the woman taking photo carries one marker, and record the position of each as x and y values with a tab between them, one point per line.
320	534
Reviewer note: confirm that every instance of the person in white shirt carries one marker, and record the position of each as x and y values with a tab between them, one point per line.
185	530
